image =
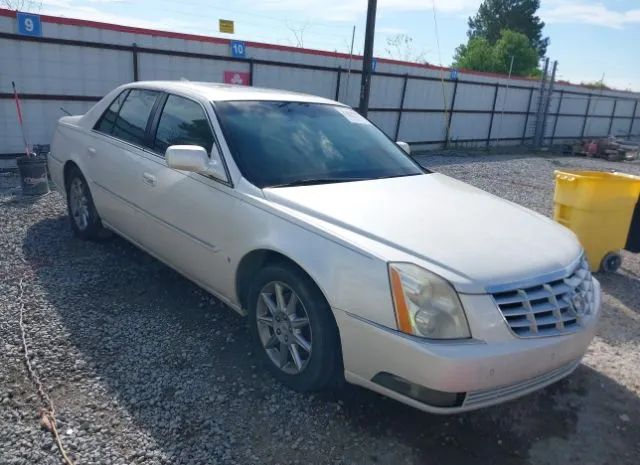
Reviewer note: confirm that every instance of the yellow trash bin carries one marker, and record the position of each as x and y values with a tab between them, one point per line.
598	207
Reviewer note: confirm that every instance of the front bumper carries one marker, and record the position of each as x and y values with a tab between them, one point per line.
494	367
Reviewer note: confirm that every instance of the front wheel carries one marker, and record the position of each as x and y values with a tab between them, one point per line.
292	329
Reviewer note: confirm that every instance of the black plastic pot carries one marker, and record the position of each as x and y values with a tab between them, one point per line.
33	175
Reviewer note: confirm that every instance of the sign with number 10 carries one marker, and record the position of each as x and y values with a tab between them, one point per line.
238	49
29	25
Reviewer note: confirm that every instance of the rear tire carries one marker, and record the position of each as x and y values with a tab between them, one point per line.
83	216
292	329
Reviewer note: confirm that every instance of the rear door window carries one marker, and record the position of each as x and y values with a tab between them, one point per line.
131	123
183	122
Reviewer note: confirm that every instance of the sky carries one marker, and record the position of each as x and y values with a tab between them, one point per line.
589	38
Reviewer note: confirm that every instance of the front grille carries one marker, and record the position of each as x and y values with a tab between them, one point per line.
482	397
551	308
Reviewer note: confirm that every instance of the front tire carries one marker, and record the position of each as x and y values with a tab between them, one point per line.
292	329
84	218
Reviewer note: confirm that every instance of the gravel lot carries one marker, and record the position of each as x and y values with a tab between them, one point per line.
144	368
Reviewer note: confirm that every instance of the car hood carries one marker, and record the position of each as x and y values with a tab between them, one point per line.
467	235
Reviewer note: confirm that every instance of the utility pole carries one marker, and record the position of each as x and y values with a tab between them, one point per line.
365	85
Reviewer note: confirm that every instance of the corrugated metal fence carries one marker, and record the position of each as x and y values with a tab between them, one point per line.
74	63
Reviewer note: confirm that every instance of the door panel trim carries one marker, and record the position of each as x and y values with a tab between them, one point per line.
139	209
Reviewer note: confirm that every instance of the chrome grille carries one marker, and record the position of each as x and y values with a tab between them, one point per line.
550	308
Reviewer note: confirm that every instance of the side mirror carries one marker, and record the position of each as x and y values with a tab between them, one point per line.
404	146
195	159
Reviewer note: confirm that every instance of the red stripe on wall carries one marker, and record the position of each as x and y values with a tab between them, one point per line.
218	40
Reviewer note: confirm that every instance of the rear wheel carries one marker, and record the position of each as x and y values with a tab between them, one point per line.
292	329
85	222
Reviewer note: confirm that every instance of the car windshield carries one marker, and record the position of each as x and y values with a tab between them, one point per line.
297	143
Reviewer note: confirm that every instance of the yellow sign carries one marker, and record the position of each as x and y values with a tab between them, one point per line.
226	26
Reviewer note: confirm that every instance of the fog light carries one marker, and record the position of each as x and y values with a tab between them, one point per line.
419	393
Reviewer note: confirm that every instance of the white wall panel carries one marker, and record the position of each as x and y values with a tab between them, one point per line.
625	107
601	106
428	94
620	127
474	97
422	127
596	127
469	126
569	126
507	126
385	120
510	99
386	92
40	119
154	66
322	83
62	69
574	104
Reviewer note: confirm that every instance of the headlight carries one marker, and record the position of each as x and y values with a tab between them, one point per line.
426	305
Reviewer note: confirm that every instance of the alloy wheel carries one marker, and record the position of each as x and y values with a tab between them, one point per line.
283	327
79	204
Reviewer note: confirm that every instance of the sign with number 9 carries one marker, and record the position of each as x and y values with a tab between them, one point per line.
29	25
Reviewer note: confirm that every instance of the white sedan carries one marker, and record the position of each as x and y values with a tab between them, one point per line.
350	260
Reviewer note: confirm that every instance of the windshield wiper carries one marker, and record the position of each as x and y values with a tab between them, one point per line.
316	181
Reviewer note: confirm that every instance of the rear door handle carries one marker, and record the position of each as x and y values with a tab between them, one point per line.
149	179
91	151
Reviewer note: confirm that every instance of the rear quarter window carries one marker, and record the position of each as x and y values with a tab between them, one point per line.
108	118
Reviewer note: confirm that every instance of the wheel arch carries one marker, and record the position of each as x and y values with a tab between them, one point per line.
68	167
257	259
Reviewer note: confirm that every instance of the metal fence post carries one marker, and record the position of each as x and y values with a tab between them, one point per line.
493	112
613	116
555	121
404	92
548	102
251	72
539	111
450	116
526	118
586	117
338	84
633	119
134	56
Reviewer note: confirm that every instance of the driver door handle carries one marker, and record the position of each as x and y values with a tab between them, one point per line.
149	179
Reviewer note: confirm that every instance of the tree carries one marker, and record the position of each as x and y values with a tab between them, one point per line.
516	15
480	55
476	55
600	85
21	5
400	47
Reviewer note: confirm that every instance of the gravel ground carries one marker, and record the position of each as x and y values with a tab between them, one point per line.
145	368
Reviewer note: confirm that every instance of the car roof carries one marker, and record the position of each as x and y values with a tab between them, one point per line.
224	92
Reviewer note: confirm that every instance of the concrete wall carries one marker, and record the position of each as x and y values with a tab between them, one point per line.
76	62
